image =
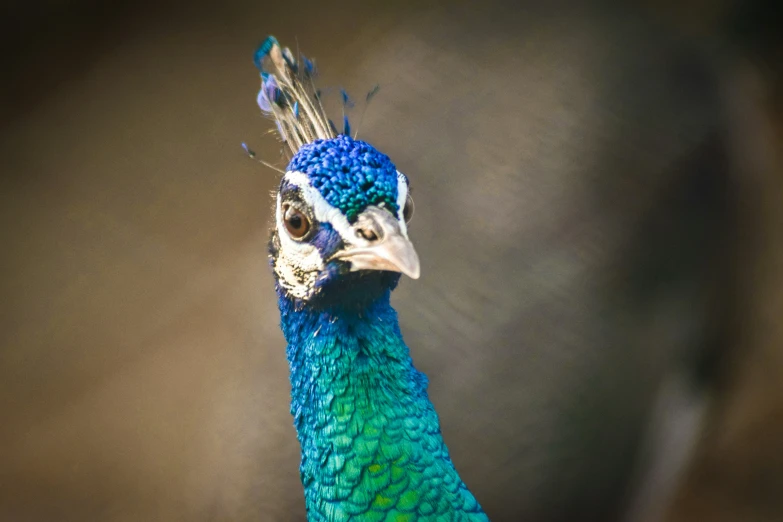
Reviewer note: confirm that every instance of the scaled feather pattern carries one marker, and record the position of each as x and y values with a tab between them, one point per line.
372	448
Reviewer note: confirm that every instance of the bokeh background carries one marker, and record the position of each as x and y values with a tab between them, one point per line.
598	192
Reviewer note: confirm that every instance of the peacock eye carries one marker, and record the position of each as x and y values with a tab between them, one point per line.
407	210
296	222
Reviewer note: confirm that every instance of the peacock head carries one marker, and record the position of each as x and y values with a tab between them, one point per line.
341	218
341	212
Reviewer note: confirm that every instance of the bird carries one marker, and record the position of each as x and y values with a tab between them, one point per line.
371	444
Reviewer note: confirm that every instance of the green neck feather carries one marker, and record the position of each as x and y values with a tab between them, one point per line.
371	443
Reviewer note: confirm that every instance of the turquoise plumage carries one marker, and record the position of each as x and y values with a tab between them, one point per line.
371	444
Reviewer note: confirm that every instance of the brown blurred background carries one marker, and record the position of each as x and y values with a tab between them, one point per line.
598	216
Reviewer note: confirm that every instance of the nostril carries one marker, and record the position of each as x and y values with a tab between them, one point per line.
367	233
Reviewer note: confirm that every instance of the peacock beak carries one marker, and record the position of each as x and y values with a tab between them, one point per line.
381	245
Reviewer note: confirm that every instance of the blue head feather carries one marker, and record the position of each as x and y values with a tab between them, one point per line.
347	101
309	66
290	60
350	174
372	93
263	51
346	126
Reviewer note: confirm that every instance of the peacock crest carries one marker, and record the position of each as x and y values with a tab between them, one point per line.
289	96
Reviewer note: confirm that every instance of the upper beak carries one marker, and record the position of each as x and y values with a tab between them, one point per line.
380	245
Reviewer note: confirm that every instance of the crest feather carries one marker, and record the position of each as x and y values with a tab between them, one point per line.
289	96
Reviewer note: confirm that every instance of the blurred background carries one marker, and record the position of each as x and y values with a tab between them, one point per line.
598	194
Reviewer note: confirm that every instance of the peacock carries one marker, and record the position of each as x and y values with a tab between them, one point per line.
371	445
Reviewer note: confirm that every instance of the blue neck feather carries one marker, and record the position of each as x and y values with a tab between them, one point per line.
370	437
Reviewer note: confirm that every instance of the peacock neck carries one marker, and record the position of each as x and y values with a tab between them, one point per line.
370	437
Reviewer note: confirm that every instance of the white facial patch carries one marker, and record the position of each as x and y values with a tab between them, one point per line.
297	264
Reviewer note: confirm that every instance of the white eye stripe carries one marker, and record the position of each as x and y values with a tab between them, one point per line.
323	211
402	197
